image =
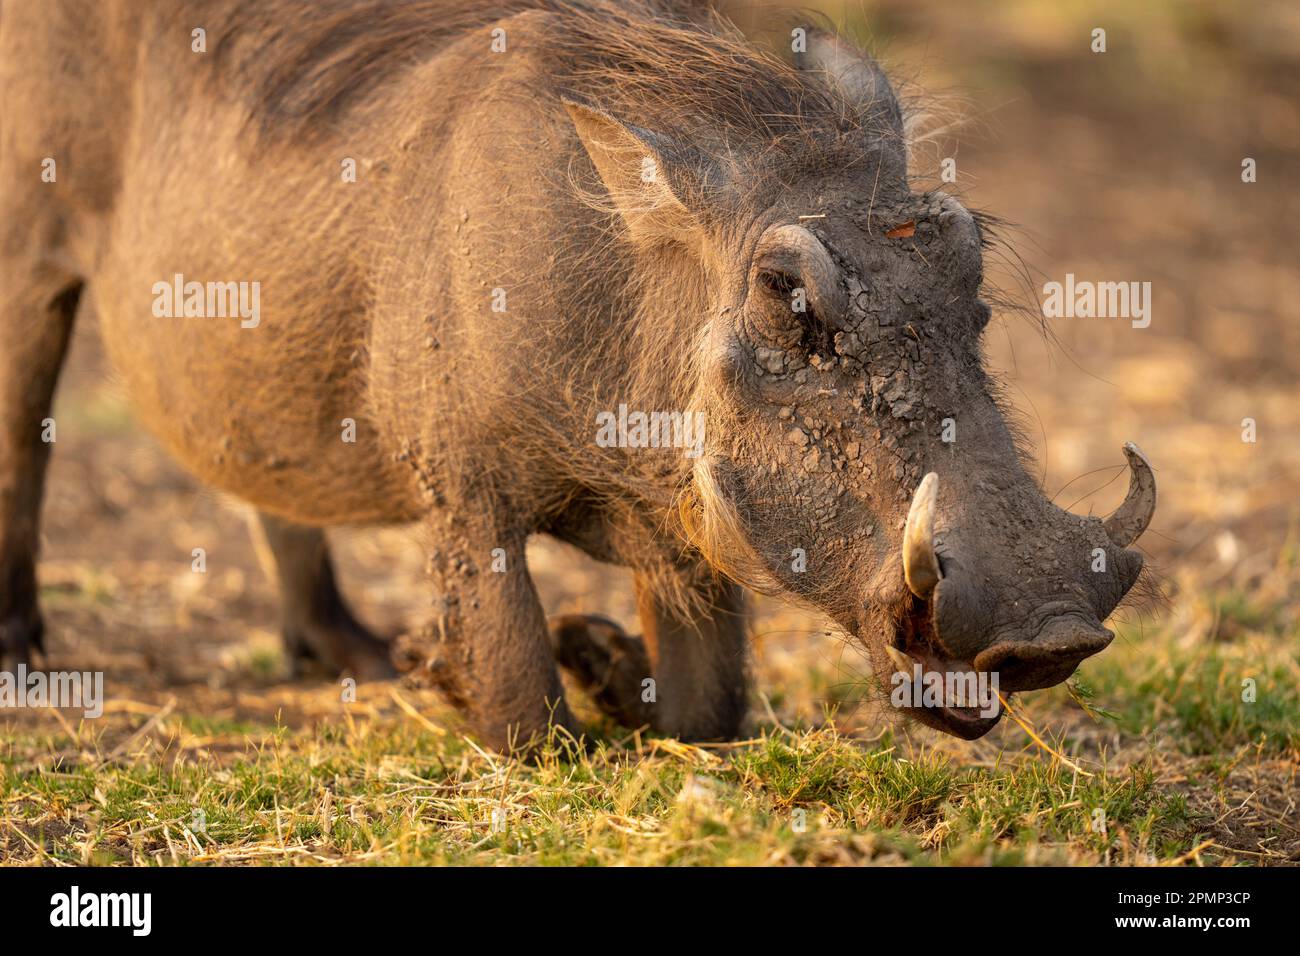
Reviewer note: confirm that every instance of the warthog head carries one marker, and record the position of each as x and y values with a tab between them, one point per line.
857	457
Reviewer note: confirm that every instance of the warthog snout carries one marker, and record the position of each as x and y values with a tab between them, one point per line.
1012	590
1048	659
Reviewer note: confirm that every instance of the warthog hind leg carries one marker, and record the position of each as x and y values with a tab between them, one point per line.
316	624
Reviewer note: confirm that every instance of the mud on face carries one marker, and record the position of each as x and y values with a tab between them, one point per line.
860	462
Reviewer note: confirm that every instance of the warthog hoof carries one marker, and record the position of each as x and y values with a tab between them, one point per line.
337	649
20	634
608	663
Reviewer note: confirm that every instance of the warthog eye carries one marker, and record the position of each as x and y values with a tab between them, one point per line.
799	325
779	284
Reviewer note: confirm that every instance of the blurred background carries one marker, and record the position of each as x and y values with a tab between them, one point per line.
1117	166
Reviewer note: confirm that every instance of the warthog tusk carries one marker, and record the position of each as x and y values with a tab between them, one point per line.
901	661
920	563
1131	518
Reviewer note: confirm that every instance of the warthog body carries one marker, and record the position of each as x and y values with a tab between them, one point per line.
557	209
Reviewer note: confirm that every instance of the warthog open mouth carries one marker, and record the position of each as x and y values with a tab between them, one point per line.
1063	633
914	656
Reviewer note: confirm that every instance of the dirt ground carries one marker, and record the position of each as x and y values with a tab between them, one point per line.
1123	165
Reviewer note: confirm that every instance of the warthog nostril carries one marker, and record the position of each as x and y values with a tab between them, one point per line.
1045	662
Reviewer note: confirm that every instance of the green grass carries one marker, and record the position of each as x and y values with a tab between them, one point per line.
1198	700
394	793
1163	762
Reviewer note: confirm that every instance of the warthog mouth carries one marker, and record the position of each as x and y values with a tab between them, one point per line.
966	698
913	651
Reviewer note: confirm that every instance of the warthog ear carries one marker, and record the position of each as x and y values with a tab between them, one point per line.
857	73
650	181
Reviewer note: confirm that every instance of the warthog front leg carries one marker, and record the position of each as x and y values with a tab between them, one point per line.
37	305
316	623
686	678
486	647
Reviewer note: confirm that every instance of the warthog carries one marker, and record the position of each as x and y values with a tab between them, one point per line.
478	230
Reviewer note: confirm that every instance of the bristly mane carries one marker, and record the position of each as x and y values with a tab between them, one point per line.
675	65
